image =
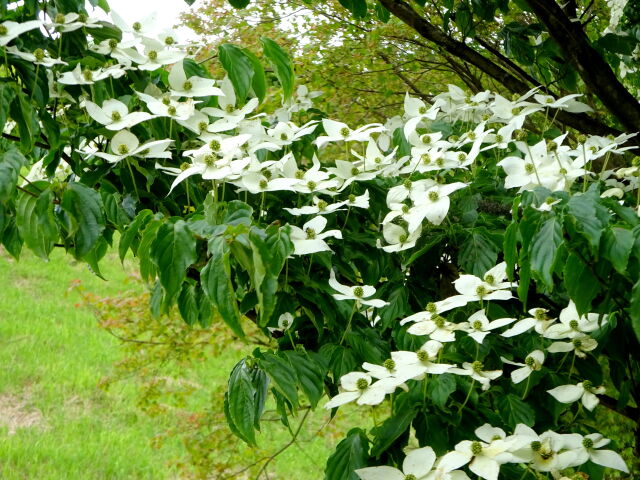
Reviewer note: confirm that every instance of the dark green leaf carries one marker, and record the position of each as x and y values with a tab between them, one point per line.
440	387
515	411
188	304
216	283
544	248
84	206
11	239
173	250
127	238
259	80
282	375
239	3
634	309
382	13
7	94
35	219
281	64
12	162
582	286
239	68
478	253
147	267
589	215
350	455
25	116
617	244
388	431
241	397
311	375
270	251
510	247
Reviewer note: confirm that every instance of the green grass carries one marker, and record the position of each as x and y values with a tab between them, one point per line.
54	355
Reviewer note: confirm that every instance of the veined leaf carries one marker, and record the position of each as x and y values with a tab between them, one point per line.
478	253
390	430
173	250
515	411
582	286
617	245
241	398
10	165
259	79
589	215
216	283
7	94
282	375
84	206
239	68
135	227
544	248
350	455
281	64
35	219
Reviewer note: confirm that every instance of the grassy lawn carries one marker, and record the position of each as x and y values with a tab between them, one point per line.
55	421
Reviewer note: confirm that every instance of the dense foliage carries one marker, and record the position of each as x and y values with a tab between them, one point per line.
471	262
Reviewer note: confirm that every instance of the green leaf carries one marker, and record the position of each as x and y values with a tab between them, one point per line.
239	3
590	217
239	68
25	116
35	219
147	266
241	397
173	251
238	213
515	411
12	162
132	231
358	8
11	239
382	13
7	94
259	80
281	64
311	375
617	245
544	248
270	251
440	387
582	286
478	253
350	455
510	247
216	283
84	206
634	309
390	430
464	20
260	381
188	304
282	375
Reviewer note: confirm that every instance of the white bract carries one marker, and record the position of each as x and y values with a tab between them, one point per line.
358	293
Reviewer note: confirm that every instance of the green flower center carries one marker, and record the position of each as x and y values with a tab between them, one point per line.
267	174
546	455
587	384
563	171
344	131
540	314
405	209
3	30
166	99
115	116
82	18
433	196
426	139
169	41
137	26
87	75
263	184
422	355
299	174
153	55
411	476
587	443
426	158
431	307
573	324
113	43
214	145
284	136
490	279
529	361
552	146
422	110
172	110
355	171
407	184
362	384
352	198
439	321
229	108
499	138
536	446
311	233
209	160
481	291
389	364
403	238
322	205
186	86
184	166
477	325
202	126
377	160
358	292
123	149
477	366
577	343
476	448
39	54
311	185
59	18
529	168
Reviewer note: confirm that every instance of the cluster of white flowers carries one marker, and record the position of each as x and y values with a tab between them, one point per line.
547	452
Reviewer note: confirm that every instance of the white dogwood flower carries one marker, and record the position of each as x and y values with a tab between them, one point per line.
533	362
584	391
310	238
359	293
114	114
416	466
